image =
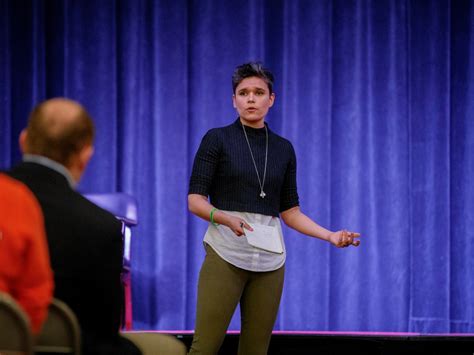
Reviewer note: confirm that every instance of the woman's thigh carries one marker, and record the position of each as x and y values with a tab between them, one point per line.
259	307
219	290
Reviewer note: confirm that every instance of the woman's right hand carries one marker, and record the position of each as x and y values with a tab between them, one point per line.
200	206
237	225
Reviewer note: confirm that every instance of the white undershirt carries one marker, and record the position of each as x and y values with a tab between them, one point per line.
238	252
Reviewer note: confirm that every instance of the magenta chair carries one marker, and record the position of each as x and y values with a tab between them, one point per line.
124	207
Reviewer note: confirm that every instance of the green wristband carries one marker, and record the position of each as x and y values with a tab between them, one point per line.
212	217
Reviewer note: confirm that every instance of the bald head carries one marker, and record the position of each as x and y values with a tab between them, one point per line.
58	129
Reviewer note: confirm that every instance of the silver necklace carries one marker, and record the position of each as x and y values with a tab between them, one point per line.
261	183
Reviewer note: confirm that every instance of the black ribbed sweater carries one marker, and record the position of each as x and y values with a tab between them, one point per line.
224	171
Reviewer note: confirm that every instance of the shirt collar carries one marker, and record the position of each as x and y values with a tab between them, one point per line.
239	124
39	159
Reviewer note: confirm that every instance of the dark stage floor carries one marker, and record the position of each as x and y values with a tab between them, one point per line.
293	343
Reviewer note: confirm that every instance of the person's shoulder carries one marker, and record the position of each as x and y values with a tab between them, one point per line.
218	131
14	190
281	140
217	135
8	184
95	212
18	202
18	171
85	215
37	176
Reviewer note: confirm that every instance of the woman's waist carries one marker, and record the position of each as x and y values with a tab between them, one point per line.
255	207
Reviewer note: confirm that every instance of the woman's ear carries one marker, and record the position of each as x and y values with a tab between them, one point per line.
272	99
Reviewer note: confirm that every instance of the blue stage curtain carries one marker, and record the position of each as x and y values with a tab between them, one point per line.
376	96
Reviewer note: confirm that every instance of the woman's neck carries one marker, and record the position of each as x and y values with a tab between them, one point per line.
254	124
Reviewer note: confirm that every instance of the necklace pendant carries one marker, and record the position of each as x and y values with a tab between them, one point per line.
262	194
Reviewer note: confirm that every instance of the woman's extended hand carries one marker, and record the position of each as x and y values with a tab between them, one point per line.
237	225
343	238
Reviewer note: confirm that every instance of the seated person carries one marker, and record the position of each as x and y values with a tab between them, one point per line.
85	241
25	272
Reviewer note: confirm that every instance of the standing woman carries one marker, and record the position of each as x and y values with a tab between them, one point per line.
249	173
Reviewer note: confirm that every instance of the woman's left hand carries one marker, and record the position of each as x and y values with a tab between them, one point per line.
344	238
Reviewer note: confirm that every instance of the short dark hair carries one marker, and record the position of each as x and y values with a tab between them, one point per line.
51	136
250	69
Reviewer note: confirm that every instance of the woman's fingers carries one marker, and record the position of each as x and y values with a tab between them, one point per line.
247	226
348	238
355	242
241	226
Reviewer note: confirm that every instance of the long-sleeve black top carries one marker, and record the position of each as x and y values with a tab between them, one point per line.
224	171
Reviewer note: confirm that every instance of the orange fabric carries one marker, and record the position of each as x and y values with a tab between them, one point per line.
25	271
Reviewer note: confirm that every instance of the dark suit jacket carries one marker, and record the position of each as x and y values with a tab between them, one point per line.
85	246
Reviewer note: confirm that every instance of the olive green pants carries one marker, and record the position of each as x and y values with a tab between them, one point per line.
221	287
